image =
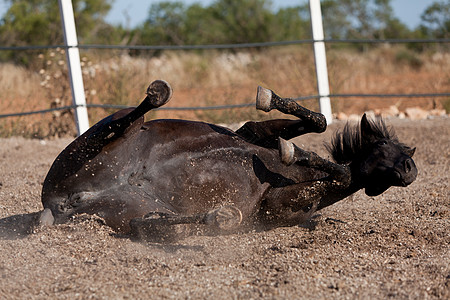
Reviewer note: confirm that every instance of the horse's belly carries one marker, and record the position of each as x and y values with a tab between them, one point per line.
180	176
200	183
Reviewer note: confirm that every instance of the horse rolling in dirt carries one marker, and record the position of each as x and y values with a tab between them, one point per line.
165	179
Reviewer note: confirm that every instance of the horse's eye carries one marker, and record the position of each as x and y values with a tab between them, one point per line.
381	143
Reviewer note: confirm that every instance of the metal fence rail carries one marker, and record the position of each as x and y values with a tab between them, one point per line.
227	46
230	46
221	107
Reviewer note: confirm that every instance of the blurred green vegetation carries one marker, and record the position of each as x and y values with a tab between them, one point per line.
37	22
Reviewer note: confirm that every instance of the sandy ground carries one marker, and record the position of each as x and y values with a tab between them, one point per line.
392	246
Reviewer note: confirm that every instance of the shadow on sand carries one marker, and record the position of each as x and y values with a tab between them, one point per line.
20	226
17	226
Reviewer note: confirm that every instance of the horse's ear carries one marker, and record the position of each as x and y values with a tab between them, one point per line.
367	132
410	151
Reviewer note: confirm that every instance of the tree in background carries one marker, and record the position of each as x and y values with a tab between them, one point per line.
223	22
164	23
38	22
243	21
33	22
291	24
436	20
361	19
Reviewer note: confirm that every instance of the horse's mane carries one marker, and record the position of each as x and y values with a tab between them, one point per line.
348	143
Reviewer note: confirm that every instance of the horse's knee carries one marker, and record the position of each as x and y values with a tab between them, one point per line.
320	123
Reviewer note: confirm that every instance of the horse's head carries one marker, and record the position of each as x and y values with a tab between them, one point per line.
386	162
376	157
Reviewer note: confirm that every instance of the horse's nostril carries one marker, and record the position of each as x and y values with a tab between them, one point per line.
408	166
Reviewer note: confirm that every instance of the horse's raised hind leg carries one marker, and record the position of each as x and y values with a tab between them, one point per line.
83	149
158	93
159	227
266	133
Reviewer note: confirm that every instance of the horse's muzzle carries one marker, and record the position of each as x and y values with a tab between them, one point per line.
405	172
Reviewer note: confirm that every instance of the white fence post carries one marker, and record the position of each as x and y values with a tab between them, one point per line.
73	61
320	59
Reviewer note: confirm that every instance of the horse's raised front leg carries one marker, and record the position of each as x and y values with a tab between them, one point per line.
266	133
159	227
290	154
296	203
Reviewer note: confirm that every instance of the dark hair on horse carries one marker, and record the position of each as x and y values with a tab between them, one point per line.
352	141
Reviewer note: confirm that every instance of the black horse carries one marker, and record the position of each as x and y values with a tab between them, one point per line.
161	179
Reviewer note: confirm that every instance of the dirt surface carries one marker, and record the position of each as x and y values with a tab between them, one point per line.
392	246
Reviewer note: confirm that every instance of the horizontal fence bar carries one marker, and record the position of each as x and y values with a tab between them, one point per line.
387	41
390	95
176	108
229	46
197	47
36	47
230	106
35	112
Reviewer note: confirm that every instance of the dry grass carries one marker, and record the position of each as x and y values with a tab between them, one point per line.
215	78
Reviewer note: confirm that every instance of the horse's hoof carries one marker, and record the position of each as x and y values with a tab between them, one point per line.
225	218
159	92
264	99
287	151
46	218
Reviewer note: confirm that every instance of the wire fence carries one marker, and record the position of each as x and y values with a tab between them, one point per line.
228	46
221	107
231	46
